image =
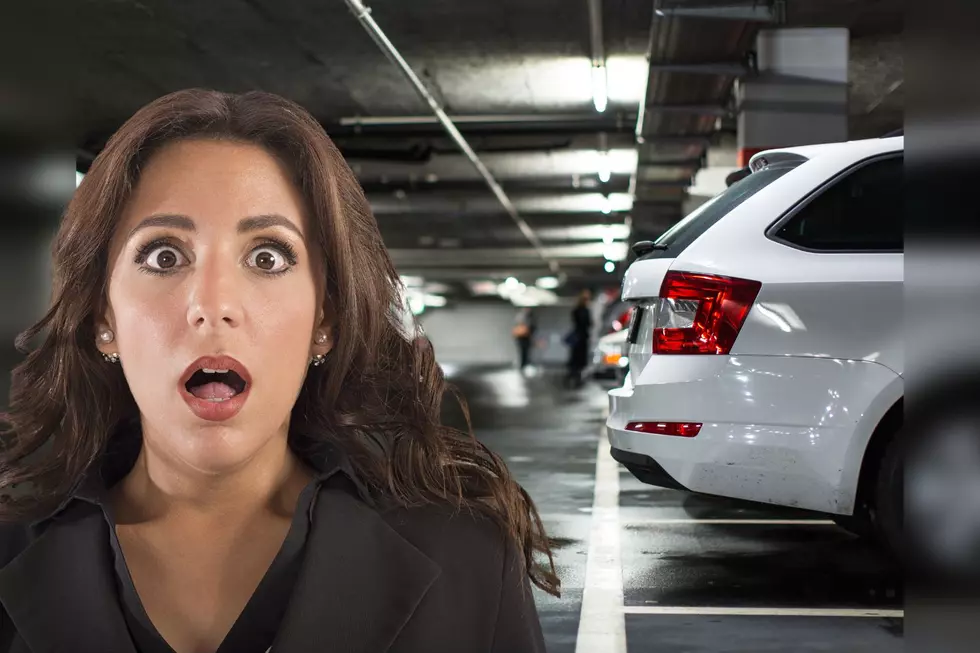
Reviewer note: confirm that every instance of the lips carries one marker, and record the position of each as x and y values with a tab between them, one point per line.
215	388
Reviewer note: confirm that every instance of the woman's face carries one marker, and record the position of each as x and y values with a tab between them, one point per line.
210	270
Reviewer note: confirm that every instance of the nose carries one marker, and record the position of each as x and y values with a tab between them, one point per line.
215	298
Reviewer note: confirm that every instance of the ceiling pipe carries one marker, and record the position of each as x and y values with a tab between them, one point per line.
600	82
507	119
363	15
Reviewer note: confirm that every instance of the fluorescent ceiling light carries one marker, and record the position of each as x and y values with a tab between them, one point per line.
435	301
612	252
600	92
604	167
547	283
606	206
610	267
78	178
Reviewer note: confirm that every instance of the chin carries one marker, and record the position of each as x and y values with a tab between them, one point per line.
208	446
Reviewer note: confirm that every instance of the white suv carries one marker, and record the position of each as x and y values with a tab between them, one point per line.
765	349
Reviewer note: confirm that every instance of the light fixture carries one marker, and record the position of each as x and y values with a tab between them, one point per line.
78	178
605	167
512	282
435	301
609	267
611	252
606	206
609	236
547	283
600	94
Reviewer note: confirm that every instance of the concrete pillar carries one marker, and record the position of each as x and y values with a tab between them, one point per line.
799	96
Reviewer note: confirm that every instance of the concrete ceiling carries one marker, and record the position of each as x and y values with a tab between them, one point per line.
516	73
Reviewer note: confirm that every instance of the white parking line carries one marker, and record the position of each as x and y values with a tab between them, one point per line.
775	522
763	612
602	625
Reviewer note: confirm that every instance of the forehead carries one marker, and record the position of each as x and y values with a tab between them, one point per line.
213	181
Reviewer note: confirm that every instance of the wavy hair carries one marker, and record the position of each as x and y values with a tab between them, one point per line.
378	398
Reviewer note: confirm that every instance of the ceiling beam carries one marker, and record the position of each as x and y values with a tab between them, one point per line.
485	124
727	68
695	109
755	11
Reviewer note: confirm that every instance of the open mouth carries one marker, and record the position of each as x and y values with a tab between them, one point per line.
215	379
215	384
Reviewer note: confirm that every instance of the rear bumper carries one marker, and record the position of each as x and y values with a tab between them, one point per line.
645	468
782	430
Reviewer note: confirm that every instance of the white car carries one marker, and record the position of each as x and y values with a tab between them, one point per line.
609	359
766	350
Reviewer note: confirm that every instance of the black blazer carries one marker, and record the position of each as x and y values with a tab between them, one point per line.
397	581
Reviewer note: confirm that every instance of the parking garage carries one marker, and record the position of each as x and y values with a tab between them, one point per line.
520	158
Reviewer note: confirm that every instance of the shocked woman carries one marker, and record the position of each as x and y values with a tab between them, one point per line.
225	438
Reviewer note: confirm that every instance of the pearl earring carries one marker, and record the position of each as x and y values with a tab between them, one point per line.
317	360
107	336
321	338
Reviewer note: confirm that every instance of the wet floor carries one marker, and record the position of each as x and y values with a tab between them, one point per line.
698	573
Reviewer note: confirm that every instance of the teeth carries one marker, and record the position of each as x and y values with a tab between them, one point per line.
210	371
217	400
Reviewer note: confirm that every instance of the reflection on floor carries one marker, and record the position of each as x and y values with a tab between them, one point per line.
751	579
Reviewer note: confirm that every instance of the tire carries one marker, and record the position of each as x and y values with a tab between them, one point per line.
887	506
856	524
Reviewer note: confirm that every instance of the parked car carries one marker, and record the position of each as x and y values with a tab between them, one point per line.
609	360
766	353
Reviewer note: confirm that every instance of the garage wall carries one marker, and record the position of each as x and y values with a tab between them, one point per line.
479	333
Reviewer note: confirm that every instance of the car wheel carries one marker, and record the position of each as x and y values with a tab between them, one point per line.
859	525
888	499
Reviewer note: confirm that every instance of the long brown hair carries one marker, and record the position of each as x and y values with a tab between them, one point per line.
378	398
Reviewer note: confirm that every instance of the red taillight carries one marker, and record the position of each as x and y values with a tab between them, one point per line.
679	429
700	313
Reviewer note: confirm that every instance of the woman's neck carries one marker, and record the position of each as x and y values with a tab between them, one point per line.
161	490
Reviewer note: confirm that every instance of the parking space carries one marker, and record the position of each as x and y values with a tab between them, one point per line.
696	573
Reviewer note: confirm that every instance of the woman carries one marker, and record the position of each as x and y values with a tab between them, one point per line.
578	340
524	330
225	439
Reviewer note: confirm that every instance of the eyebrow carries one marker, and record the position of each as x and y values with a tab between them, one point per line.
245	225
256	222
181	222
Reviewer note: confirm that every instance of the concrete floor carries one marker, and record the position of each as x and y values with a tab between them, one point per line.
763	579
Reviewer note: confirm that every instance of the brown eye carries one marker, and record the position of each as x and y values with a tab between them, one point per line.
268	259
164	258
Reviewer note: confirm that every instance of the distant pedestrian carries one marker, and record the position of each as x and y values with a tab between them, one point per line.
578	340
523	334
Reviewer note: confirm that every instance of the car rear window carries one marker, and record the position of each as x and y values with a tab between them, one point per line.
676	239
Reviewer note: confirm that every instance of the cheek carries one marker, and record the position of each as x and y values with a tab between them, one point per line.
146	318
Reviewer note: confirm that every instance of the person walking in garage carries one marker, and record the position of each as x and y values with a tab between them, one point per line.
225	439
578	340
524	331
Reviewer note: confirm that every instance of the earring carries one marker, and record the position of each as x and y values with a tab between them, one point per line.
317	360
111	358
320	338
107	336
